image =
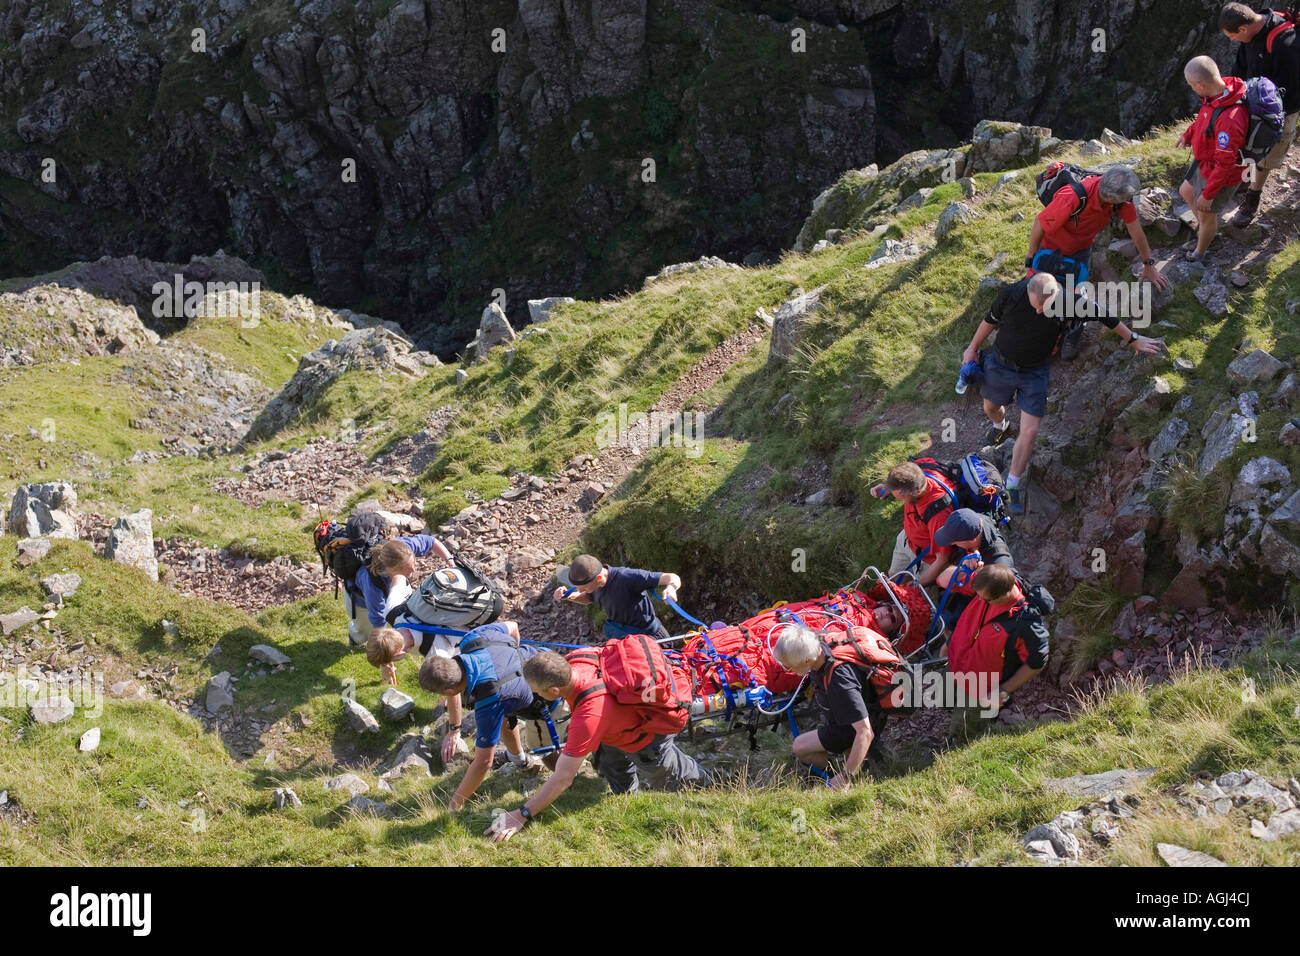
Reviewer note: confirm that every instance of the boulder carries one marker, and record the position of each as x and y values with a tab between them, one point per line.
23	617
220	692
1187	589
52	710
818	498
539	310
364	805
44	510
89	740
493	330
1223	441
1060	844
61	585
1288	515
951	217
1213	295
1176	855
283	797
1256	366
1255	477
269	655
31	550
349	782
997	145
130	542
358	718
1168	439
396	705
1101	784
789	323
893	251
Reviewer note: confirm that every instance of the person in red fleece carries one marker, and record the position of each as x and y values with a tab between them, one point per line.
999	644
926	506
1216	137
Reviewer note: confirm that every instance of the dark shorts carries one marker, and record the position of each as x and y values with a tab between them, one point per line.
1027	388
838	738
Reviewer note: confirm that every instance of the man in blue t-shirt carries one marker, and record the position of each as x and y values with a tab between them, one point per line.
622	593
489	669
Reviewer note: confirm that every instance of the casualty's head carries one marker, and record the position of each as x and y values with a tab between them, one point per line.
797	649
548	674
906	482
994	583
887	618
443	675
586	574
1203	76
1043	290
384	646
1119	184
1239	22
391	558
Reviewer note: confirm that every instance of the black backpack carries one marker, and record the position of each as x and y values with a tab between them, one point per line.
345	549
1058	176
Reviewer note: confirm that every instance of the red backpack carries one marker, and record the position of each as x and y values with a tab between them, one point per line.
873	653
1290	19
635	672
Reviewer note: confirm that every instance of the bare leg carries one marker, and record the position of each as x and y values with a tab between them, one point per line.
1024	447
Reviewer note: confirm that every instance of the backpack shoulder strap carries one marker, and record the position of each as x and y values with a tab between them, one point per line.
587	692
1082	195
1276	32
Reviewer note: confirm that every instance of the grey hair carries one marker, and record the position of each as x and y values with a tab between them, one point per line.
1202	69
1044	284
1118	184
796	645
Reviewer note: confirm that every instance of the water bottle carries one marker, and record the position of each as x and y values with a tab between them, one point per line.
961	384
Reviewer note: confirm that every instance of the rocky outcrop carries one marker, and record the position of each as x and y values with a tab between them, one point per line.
49	324
378	350
413	152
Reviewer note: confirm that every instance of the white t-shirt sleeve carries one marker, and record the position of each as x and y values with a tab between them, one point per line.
398	591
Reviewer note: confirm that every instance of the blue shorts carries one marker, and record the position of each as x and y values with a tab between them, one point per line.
1027	388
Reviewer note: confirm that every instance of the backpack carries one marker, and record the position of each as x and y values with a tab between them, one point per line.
1264	104
635	672
461	597
873	653
970	483
1058	176
1290	19
1038	604
345	549
486	689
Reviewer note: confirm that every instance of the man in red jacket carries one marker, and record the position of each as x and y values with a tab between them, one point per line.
926	506
1216	138
630	756
1061	239
999	644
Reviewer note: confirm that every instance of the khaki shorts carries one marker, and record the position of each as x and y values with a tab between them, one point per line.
1222	201
1277	156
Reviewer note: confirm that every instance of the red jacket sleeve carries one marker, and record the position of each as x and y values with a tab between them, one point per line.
1226	172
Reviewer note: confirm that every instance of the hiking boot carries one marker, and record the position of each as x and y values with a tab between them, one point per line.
996	434
1016	500
1071	342
1246	211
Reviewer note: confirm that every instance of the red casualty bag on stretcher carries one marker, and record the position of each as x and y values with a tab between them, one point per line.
742	652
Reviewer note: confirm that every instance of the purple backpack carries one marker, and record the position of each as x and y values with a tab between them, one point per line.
1264	103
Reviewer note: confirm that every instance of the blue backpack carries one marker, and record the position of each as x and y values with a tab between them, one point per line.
970	482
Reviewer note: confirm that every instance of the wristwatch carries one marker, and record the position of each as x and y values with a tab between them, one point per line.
1149	262
454	730
1029	262
523	812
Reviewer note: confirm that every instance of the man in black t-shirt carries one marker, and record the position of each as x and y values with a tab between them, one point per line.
1028	317
851	715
